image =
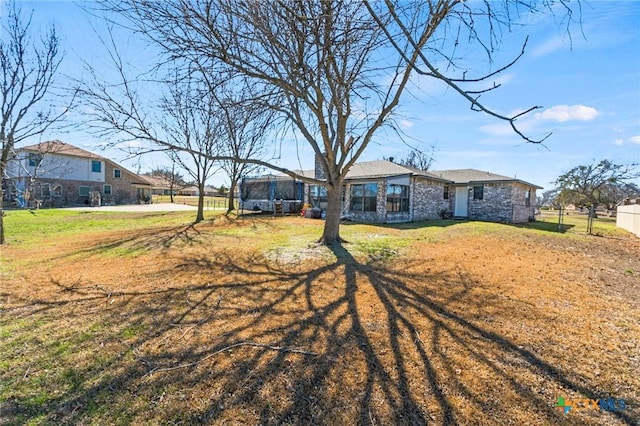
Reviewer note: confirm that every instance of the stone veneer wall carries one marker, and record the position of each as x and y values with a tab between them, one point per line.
495	205
521	212
503	202
428	199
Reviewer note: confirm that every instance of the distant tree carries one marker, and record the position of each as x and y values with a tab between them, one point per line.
193	123
223	189
549	198
27	75
245	125
591	185
174	179
417	159
613	195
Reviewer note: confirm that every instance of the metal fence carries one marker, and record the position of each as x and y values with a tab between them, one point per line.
628	218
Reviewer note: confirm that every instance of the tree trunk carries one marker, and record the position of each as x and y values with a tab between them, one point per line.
1	214
3	162
231	196
331	232
200	213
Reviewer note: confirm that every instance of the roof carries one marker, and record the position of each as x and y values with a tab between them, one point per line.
383	168
157	181
59	147
473	175
378	168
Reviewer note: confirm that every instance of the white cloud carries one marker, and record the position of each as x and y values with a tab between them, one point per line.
562	113
635	139
618	142
552	45
406	124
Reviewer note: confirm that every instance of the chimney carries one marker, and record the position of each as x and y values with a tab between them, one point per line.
318	170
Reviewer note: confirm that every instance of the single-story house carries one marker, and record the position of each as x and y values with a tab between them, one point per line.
382	191
58	174
193	191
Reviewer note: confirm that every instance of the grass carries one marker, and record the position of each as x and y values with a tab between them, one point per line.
38	226
129	318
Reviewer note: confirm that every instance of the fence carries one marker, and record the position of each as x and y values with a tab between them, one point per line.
628	217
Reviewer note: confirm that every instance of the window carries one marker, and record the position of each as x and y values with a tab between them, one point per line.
45	190
397	198
106	189
117	173
57	191
478	192
446	192
318	196
364	197
34	159
96	166
527	198
83	191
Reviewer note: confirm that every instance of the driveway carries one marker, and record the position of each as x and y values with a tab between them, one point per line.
156	207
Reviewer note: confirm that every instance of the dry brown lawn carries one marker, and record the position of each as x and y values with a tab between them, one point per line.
219	324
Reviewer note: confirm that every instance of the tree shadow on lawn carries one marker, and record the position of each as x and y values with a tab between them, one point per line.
337	343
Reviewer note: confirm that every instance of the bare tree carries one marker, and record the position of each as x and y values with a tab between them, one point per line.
246	126
334	70
193	125
182	121
28	69
171	176
417	159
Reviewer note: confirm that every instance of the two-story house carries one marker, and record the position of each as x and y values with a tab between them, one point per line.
57	174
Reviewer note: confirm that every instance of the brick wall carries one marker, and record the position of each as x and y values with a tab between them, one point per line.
521	211
428	199
122	189
504	202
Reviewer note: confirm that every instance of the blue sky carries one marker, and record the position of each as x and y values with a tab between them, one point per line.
588	85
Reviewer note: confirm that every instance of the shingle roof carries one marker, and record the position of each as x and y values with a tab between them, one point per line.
59	147
378	168
159	181
473	175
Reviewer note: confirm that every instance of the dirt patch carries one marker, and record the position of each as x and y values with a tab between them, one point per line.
200	326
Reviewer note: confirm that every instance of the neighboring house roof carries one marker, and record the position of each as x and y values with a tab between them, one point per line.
59	147
193	188
62	148
159	181
473	175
